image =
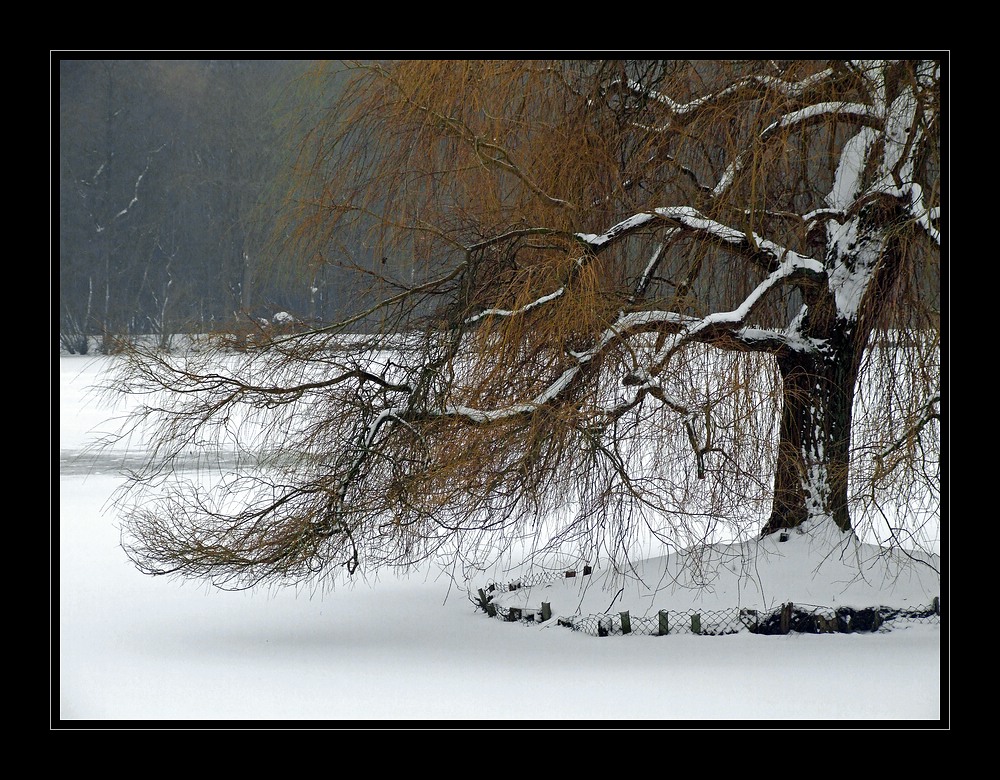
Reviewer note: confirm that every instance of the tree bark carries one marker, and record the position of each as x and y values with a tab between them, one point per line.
818	387
811	474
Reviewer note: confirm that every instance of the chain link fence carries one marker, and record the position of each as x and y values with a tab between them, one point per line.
789	617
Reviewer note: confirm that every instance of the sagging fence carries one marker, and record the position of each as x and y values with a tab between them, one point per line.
788	618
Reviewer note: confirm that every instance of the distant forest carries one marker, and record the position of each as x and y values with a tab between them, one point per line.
169	190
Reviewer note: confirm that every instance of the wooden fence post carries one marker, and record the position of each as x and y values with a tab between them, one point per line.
486	603
546	611
696	623
626	623
664	628
786	617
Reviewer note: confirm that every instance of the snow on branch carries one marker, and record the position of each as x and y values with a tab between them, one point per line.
813	113
754	83
692	220
511	312
625	324
623	228
634	322
547	298
638	384
685	218
789	269
787	265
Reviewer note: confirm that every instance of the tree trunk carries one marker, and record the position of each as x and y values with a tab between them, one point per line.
814	446
811	475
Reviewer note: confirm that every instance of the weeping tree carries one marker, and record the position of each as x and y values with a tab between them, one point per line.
600	302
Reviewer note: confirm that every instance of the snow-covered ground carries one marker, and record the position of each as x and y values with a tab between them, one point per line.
130	648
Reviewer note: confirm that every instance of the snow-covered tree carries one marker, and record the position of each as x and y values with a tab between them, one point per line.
611	299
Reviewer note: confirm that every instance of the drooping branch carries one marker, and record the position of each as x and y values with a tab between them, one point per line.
927	412
486	151
184	382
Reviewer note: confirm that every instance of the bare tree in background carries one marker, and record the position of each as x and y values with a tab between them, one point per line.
613	300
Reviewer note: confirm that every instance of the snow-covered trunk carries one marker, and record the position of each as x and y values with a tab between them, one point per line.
819	384
811	476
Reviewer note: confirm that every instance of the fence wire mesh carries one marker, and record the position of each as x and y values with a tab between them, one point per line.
789	617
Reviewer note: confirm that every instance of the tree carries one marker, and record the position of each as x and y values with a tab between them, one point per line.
162	165
104	184
607	300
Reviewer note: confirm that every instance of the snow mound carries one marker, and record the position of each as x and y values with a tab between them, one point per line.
811	566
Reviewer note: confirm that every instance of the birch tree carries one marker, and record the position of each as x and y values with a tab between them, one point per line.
607	301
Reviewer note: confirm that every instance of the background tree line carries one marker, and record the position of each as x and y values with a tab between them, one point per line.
166	171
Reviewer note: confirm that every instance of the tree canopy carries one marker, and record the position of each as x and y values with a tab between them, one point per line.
607	300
